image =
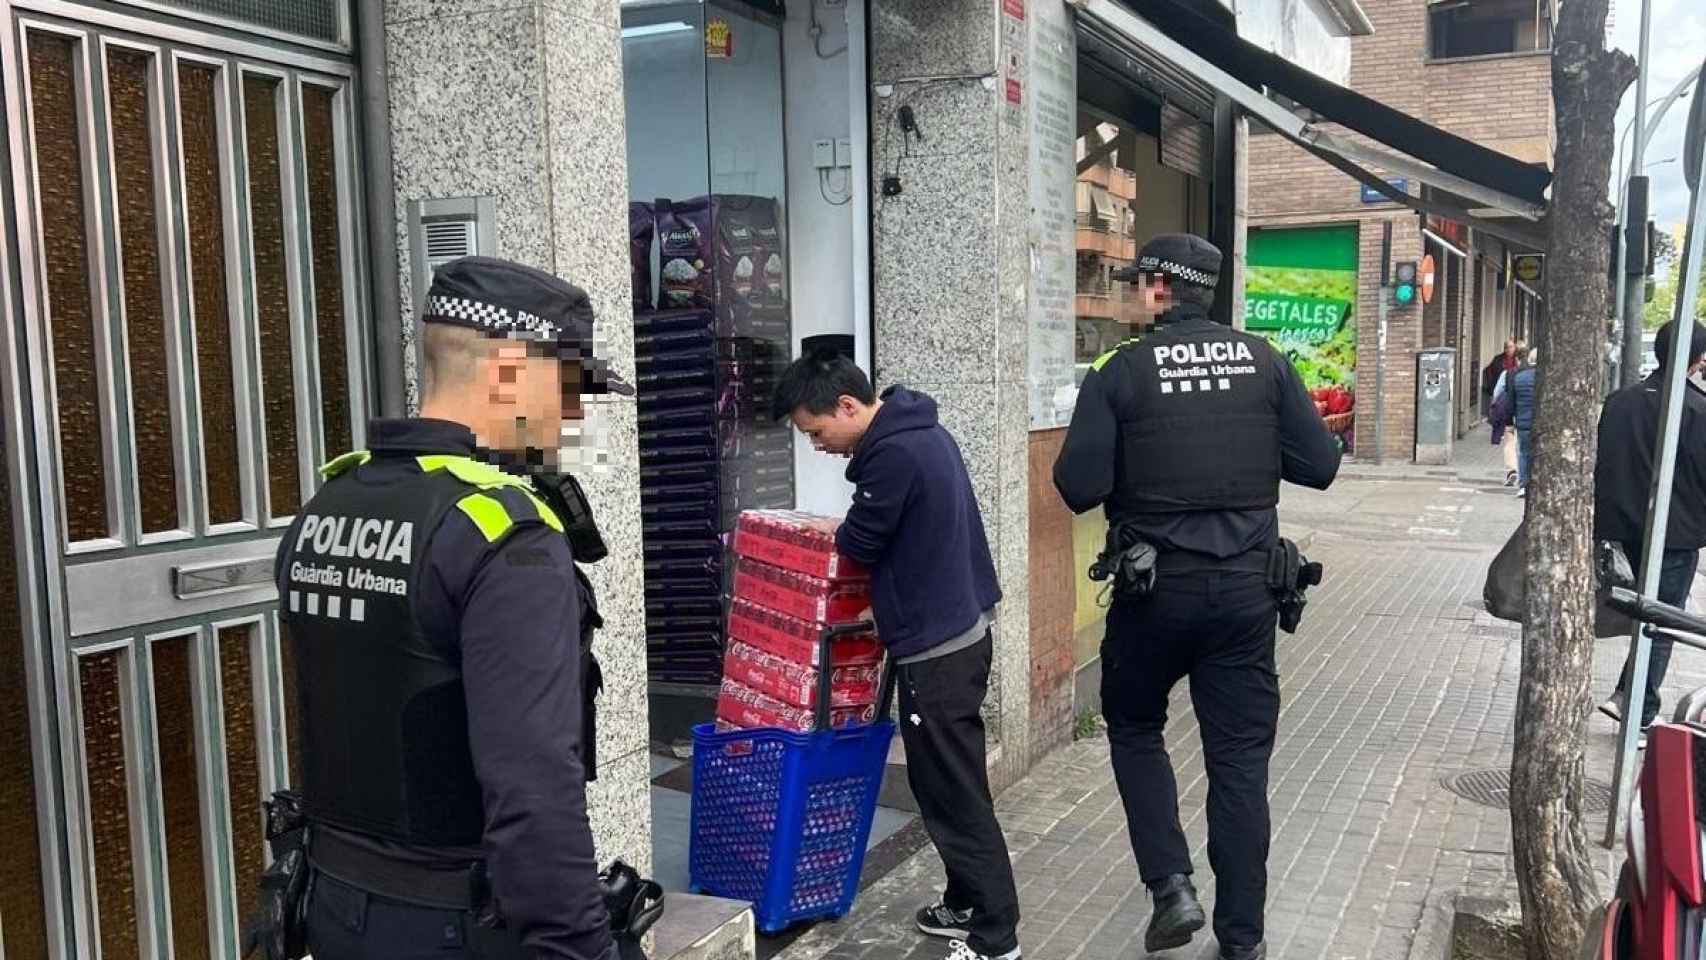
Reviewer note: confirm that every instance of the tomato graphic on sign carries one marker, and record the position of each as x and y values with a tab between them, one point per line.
1428	270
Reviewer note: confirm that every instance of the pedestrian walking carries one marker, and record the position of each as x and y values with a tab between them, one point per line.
915	522
435	615
1522	387
1500	407
1184	437
1623	481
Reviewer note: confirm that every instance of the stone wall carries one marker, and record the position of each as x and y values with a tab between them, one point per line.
951	266
522	102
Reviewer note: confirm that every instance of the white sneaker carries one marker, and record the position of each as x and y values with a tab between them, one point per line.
1613	708
963	951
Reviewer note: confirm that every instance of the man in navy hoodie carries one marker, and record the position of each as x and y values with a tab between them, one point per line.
915	522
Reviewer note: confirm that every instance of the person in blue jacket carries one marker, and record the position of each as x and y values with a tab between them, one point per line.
1522	386
915	523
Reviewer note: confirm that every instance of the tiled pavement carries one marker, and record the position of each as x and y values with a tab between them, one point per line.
1396	680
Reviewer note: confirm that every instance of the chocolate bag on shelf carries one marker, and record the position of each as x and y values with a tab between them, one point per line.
684	252
641	229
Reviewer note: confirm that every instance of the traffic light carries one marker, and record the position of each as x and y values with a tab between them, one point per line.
1404	283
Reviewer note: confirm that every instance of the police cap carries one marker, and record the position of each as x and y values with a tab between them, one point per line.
501	298
1176	256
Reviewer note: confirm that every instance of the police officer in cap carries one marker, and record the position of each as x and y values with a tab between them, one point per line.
1183	436
431	599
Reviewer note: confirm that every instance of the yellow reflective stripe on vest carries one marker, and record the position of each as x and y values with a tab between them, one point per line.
488	514
470	471
1102	360
487	477
546	513
354	458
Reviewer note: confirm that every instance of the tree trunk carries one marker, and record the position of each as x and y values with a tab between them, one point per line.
1553	866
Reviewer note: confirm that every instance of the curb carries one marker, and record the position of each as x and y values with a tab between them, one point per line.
1412	476
1433	937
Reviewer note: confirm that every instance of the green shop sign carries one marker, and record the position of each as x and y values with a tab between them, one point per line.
1300	292
1289	318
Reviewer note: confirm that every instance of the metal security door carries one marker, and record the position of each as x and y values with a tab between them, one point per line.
192	289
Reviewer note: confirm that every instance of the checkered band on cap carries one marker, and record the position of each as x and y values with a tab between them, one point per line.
486	316
1152	264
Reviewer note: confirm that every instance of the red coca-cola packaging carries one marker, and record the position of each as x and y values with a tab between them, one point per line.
746	708
801	595
797	684
792	638
802	542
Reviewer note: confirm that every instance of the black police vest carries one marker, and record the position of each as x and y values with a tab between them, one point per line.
382	712
1204	433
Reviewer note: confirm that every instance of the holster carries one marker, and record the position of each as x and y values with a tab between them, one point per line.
1290	575
279	925
633	902
1127	562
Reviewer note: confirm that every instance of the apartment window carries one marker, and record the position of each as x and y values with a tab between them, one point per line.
1484	28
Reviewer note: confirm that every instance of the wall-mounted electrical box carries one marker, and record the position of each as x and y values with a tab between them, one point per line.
441	230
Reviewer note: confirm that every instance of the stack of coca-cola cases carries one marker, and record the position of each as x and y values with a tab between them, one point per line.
790	585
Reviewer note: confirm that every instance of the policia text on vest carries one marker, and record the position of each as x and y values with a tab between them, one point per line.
1184	437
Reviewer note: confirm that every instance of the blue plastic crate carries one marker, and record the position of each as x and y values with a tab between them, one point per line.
781	819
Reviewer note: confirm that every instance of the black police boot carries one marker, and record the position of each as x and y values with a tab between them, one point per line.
1257	952
1177	913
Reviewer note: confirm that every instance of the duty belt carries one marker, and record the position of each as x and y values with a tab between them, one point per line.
460	887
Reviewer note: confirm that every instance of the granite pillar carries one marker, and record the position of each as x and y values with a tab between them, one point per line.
951	257
522	102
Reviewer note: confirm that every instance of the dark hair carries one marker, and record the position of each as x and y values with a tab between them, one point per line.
1184	292
817	382
1661	343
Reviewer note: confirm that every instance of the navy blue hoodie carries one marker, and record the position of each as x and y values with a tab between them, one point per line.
915	522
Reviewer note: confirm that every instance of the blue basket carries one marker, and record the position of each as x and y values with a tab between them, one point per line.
781	819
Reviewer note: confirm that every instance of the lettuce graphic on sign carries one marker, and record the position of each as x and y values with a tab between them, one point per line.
1300	293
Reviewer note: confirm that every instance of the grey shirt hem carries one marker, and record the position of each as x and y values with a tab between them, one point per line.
964	641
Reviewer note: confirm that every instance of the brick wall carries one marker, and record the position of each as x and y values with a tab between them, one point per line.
1403	339
1053	596
1504	103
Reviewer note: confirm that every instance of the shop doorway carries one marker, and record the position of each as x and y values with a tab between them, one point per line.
188	344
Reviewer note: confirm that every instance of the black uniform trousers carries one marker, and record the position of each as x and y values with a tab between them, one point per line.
1213	623
941	724
346	922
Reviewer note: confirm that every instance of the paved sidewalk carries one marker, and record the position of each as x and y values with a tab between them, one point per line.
1474	460
1397	679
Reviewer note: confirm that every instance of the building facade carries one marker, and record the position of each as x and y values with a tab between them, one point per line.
1481	70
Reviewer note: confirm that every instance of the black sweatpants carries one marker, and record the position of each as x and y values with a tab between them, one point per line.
942	728
1214	625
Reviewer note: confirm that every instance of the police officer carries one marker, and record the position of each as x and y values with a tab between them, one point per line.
1184	436
435	615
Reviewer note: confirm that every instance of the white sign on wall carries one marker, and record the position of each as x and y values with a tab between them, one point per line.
1053	94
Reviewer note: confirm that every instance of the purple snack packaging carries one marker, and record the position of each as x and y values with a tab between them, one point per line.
684	252
641	228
